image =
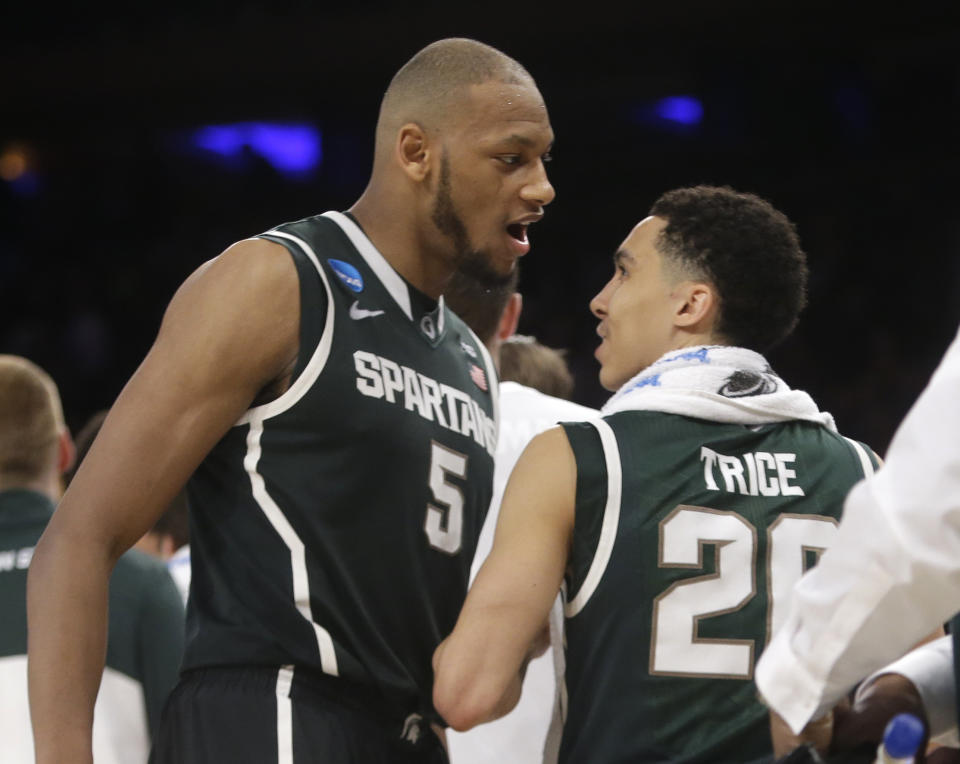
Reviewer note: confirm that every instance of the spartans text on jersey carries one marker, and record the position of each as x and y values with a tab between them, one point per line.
379	377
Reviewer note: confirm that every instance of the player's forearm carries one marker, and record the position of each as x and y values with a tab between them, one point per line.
67	618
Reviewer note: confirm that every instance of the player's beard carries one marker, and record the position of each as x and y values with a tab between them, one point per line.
471	262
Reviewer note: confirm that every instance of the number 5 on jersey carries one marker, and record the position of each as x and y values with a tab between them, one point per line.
444	524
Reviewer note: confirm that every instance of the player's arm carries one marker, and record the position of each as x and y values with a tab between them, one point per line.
478	668
229	331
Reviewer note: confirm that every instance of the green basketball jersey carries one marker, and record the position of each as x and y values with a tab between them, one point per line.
333	528
689	536
144	637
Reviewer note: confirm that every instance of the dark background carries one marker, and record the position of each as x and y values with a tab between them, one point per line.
845	116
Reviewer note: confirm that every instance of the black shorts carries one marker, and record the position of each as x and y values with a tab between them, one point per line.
285	716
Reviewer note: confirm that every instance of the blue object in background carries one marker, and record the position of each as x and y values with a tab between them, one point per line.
680	110
676	113
293	149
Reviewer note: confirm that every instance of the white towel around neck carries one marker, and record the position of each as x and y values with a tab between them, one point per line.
718	383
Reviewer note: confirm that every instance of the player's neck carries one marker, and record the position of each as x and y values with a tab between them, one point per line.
394	231
48	485
693	339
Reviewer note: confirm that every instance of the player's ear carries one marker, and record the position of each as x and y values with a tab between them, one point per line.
414	152
66	452
696	305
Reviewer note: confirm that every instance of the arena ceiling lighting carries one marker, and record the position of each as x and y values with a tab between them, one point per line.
294	149
680	109
674	113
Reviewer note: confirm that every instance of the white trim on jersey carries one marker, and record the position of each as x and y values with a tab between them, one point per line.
611	518
865	462
441	319
298	563
284	716
493	377
392	280
317	361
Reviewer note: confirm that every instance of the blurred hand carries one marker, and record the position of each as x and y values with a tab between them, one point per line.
818	733
943	756
864	721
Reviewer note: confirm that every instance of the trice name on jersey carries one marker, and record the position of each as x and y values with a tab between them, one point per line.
752	474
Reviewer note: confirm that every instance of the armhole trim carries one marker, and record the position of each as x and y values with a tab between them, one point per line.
866	464
611	519
317	361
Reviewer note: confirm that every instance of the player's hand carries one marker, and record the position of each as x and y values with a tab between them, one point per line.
864	721
817	732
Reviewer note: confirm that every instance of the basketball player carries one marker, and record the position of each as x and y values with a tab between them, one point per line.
680	519
340	424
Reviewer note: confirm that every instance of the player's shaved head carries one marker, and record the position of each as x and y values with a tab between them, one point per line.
429	86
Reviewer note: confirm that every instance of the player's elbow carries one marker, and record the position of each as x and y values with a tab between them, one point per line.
465	708
464	701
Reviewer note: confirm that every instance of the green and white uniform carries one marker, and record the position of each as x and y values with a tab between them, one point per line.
333	528
689	535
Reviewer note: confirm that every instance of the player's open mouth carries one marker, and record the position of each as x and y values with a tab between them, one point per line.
518	238
518	231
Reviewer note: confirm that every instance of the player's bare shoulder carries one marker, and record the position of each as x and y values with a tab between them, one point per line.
241	309
251	267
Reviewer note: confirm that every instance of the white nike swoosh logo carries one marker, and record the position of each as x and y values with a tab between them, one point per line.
356	312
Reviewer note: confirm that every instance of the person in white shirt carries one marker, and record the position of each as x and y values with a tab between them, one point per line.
532	730
891	575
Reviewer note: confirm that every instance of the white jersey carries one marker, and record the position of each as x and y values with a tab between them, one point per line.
521	735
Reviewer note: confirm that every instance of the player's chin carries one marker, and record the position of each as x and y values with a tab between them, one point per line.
608	379
508	266
502	262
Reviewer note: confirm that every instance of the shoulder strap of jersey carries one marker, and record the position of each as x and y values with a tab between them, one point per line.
869	461
611	513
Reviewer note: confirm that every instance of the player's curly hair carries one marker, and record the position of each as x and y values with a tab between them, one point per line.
748	250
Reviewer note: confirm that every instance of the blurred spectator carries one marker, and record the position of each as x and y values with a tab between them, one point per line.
525	361
146	616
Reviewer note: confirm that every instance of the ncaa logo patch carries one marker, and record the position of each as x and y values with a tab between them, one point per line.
349	275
